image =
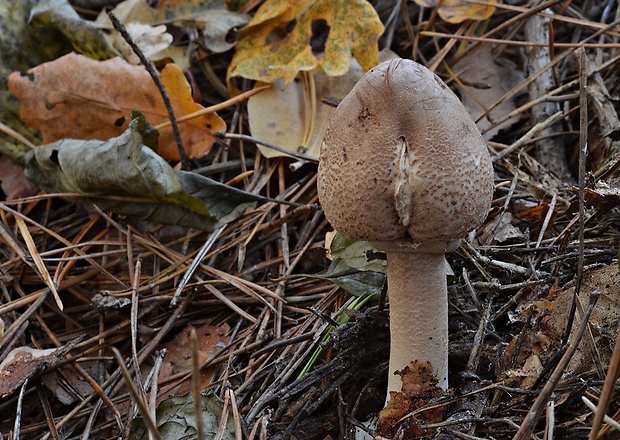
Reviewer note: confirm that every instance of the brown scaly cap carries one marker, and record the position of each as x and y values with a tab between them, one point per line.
402	163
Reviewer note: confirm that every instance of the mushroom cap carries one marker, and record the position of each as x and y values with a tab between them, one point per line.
402	163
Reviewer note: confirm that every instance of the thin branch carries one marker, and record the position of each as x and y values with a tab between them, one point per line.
160	86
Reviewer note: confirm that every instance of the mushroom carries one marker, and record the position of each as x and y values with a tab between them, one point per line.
402	165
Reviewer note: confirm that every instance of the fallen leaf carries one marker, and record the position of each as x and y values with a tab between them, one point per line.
603	196
457	11
175	419
275	45
21	47
124	167
13	182
484	80
500	229
353	267
295	117
357	254
68	386
604	321
85	37
212	16
178	358
76	97
217	29
104	301
526	376
198	133
419	388
356	282
24	362
150	39
530	213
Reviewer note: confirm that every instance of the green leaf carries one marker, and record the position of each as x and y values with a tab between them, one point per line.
356	282
124	167
355	254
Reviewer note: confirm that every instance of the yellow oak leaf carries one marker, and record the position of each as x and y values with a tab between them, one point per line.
275	45
198	133
457	11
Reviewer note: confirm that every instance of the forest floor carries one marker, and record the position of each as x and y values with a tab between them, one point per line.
287	346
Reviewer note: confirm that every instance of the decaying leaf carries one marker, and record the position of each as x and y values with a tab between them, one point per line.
150	39
68	386
604	322
83	35
500	229
178	358
275	45
457	11
175	419
526	376
419	388
124	167
24	362
357	254
80	98
549	311
13	182
104	301
484	80
216	20
21	46
602	197
295	117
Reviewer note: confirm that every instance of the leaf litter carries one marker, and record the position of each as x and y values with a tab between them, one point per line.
265	291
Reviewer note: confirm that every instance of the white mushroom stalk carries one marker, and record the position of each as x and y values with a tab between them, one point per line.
418	314
403	166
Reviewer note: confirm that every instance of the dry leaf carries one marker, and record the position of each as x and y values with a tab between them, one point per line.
68	386
150	40
419	388
604	321
13	182
175	419
457	11
603	197
103	301
284	117
501	229
24	362
124	166
275	45
484	79
80	98
211	15
178	359
526	376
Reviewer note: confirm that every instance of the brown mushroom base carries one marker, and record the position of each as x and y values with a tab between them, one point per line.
418	297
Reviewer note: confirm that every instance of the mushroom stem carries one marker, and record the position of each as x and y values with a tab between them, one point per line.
418	296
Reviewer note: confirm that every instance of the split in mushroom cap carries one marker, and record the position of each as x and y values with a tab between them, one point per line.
402	161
